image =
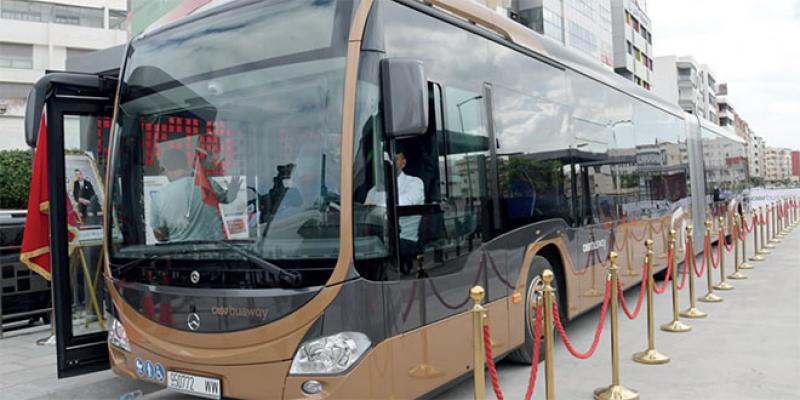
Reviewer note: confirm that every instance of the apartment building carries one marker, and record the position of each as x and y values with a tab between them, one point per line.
36	36
584	25
778	165
633	41
691	85
795	166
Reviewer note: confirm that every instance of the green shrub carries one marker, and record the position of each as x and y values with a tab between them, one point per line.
15	178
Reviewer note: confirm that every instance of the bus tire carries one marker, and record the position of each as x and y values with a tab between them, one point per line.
524	353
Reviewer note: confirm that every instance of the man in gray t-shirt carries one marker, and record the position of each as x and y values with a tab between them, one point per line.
178	212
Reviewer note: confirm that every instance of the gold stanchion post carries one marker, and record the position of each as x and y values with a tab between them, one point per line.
651	356
692	311
722	285
477	294
615	391
770	242
775	239
785	219
737	274
548	297
779	220
710	297
676	325
757	257
743	229
764	221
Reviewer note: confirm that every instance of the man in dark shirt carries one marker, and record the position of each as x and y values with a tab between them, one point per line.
83	194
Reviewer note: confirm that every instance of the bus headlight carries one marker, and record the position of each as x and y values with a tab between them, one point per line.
117	336
329	354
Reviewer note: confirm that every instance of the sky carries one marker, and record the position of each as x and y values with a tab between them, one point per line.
750	44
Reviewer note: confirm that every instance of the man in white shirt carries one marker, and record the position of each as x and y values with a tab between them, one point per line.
410	192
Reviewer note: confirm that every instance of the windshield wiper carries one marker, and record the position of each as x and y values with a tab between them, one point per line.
291	277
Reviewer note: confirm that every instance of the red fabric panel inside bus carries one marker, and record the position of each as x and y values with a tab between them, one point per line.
214	139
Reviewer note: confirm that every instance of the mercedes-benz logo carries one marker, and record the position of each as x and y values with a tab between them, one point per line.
193	321
194	277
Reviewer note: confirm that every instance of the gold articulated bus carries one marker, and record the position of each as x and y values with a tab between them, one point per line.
302	192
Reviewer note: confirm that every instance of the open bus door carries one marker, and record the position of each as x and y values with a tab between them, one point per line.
78	116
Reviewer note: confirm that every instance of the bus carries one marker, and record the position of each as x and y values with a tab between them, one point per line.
300	193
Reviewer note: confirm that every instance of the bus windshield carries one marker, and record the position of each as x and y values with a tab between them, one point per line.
227	146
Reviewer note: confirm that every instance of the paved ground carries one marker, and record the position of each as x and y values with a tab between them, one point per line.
748	348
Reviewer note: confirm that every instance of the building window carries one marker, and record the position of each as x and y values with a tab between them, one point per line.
630	47
16	56
636	25
627	17
25	10
117	19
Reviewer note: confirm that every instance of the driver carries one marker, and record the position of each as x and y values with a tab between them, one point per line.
179	210
410	192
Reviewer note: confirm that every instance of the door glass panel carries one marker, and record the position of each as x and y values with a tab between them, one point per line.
85	151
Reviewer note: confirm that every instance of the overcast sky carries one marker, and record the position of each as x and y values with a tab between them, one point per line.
753	45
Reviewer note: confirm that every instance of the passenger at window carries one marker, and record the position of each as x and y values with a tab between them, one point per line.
184	209
410	192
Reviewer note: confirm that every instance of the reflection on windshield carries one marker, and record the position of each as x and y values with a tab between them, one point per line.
227	139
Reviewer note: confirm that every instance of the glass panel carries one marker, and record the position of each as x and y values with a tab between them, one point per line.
85	151
235	154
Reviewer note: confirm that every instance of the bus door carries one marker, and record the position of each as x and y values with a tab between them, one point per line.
78	117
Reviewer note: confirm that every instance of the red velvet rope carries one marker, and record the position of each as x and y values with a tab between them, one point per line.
715	264
728	248
741	233
537	333
761	217
665	282
748	228
635	313
706	247
593	347
487	346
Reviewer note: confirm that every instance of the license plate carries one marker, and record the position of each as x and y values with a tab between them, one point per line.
202	386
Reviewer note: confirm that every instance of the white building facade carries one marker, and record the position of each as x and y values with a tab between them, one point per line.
36	36
584	25
691	85
633	41
778	164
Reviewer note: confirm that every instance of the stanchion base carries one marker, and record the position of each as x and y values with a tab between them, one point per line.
615	392
425	371
745	265
676	326
723	286
592	293
650	357
738	275
710	298
764	251
693	313
756	258
769	245
629	273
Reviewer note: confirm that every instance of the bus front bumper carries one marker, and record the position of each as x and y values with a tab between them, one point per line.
250	381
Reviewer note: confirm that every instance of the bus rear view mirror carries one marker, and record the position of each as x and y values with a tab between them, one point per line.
405	97
68	83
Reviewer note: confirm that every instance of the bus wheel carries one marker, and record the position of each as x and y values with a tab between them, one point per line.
524	353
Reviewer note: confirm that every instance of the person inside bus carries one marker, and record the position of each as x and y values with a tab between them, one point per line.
410	192
178	211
